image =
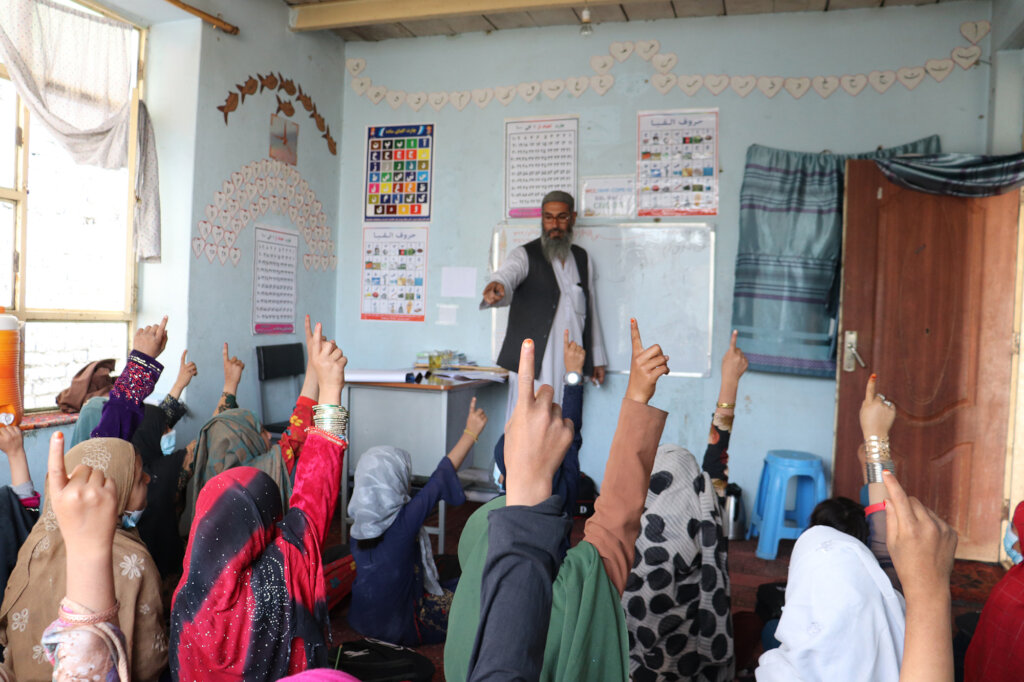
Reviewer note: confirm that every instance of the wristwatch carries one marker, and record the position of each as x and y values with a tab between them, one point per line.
573	378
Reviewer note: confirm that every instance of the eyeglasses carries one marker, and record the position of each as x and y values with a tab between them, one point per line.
561	217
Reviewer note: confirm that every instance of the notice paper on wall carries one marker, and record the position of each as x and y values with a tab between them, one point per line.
274	288
394	283
540	156
677	162
458	282
399	170
608	196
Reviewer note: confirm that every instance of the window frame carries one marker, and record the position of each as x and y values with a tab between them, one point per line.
19	196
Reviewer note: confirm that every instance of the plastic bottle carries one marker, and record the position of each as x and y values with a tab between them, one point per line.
11	408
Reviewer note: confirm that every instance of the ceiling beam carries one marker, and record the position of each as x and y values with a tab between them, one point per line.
332	14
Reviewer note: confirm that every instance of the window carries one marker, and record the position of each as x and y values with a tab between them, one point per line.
67	266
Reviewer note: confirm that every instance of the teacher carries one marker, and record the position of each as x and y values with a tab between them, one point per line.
549	285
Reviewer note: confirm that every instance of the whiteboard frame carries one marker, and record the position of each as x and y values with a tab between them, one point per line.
712	226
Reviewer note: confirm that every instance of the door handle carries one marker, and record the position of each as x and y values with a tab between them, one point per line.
851	355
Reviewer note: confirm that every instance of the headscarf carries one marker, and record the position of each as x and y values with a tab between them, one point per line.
232	438
16	521
238	606
146	438
88	419
843	620
996	652
586	637
677	595
382	482
38	582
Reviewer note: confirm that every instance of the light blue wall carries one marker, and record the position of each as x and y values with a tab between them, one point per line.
220	296
773	411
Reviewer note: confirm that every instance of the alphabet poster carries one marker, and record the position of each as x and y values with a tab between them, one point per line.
394	283
274	288
540	156
398	172
677	162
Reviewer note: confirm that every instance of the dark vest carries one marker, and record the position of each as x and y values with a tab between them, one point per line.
534	303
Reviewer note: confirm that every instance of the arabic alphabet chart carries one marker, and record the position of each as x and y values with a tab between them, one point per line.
398	172
394	273
677	162
274	287
540	156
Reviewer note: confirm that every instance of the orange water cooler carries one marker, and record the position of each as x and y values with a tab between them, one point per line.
11	408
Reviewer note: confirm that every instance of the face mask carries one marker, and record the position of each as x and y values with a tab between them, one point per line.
130	519
1008	541
167	442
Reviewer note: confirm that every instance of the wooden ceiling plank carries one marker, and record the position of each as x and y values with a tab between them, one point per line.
347	34
508	20
377	32
853	4
470	24
800	5
733	7
646	11
603	14
698	8
429	27
896	3
561	16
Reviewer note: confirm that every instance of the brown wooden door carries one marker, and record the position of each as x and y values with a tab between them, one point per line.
928	285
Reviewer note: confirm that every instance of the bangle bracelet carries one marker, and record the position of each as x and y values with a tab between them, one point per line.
334	438
471	435
68	613
331	418
871	509
727	406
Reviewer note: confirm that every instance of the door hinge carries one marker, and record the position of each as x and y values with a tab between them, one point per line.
19	136
1015	344
879	193
1006	508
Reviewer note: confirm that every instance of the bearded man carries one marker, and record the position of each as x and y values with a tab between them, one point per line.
549	285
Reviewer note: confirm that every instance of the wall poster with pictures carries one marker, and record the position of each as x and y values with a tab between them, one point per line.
540	156
399	169
394	285
677	162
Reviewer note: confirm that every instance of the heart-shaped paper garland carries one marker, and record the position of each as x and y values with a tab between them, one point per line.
258	188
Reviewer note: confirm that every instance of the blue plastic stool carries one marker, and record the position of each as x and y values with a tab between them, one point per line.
770	514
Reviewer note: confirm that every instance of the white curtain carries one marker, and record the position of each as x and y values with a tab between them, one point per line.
74	71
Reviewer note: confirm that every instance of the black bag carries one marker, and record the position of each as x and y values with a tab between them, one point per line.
771	597
586	497
372	660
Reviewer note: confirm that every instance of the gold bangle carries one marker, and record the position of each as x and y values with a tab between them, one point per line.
727	406
471	435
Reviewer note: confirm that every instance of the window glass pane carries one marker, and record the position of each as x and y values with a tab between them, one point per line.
55	351
8	123
76	230
7	213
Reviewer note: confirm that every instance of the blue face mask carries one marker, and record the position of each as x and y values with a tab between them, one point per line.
168	441
1008	541
130	519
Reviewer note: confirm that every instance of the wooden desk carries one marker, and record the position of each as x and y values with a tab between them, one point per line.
425	419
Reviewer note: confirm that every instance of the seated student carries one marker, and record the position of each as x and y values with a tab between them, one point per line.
397	596
677	597
19	503
567	479
235	437
37	581
251	604
844	617
585	636
996	651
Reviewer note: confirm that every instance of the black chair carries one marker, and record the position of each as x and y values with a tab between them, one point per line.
283	361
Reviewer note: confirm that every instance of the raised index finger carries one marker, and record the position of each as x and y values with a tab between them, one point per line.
732	341
56	473
309	331
898	500
869	390
163	324
225	351
526	370
184	354
318	340
634	332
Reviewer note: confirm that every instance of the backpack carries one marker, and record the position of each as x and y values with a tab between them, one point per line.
372	660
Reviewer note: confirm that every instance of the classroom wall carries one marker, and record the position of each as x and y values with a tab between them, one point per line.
220	295
774	411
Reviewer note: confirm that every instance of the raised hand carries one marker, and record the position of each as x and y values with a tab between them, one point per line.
12	444
476	420
734	362
574	354
186	371
920	543
151	340
310	382
493	293
876	414
536	438
648	365
232	371
329	362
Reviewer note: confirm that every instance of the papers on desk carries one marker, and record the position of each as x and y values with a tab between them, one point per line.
470	374
380	376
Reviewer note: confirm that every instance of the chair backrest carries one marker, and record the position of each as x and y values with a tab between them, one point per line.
282	360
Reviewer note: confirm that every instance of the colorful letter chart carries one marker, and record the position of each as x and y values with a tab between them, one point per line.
273	283
677	163
394	273
398	172
540	156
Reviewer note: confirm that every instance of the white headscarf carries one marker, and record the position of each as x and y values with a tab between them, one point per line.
842	619
382	482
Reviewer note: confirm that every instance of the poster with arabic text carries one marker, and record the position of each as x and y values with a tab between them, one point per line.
540	156
677	162
394	285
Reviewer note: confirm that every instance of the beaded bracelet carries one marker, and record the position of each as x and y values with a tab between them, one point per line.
471	435
727	406
68	613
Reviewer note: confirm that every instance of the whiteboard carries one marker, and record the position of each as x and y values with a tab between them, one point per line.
660	273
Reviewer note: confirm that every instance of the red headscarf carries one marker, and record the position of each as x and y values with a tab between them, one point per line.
996	653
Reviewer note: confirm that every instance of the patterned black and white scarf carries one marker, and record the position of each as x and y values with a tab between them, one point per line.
677	595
